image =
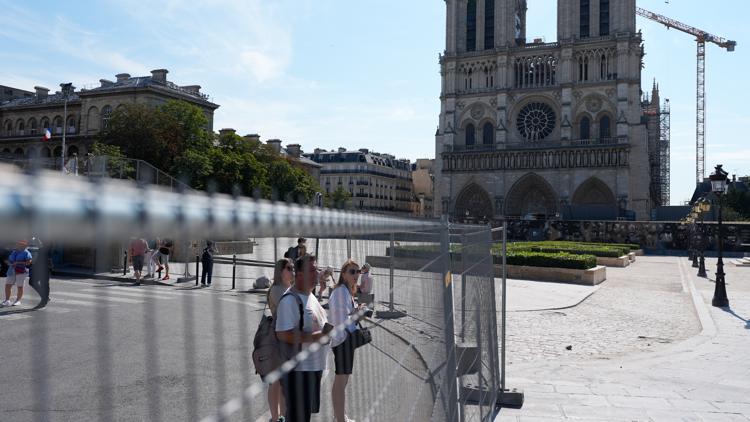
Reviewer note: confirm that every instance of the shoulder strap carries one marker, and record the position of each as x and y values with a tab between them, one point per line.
301	311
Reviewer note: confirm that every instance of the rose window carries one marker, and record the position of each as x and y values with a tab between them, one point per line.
536	121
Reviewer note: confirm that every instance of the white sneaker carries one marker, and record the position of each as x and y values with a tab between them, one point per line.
5	303
16	303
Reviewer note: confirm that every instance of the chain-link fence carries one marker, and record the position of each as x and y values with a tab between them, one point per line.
171	350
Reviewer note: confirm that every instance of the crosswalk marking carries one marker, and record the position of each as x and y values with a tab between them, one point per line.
131	293
98	297
55	310
13	317
63	301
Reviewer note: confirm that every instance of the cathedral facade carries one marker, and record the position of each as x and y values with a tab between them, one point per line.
542	129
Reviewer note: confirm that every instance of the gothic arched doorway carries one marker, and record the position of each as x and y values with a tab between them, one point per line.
531	195
594	192
473	204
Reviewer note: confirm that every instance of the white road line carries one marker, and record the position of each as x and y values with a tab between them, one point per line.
130	293
98	297
63	301
242	302
156	290
54	310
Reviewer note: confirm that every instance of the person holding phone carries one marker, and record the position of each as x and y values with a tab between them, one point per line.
343	314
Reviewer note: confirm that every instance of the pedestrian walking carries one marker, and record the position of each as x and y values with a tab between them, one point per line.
162	254
295	252
19	261
302	322
283	276
343	313
207	261
137	251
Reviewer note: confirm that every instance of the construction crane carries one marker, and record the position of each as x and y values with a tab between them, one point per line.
701	38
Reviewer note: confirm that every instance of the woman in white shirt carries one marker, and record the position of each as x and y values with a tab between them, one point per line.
341	307
283	275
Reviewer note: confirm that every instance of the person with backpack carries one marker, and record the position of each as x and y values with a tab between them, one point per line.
301	322
207	261
283	275
295	252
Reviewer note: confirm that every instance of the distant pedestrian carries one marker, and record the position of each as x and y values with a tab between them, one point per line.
162	254
302	322
137	252
150	266
295	252
19	261
207	261
323	278
283	275
365	280
342	313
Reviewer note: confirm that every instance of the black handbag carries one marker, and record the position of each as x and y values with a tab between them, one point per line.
361	336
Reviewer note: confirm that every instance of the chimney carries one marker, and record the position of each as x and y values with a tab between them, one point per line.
275	144
342	149
41	92
159	75
106	82
318	151
253	137
227	131
364	150
193	89
294	150
122	77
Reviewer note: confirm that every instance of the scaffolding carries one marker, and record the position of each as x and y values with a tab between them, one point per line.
664	158
657	119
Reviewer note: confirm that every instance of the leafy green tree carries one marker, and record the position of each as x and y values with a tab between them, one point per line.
337	199
738	204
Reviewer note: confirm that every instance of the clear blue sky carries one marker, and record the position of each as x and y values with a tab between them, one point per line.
330	73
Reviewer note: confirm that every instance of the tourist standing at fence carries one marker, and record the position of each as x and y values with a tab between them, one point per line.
341	308
365	280
283	275
137	252
323	277
207	260
301	322
295	252
165	248
19	261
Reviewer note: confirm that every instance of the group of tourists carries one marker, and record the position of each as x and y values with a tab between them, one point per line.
16	267
154	254
301	321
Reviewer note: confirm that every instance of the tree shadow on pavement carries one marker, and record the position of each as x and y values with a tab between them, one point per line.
731	312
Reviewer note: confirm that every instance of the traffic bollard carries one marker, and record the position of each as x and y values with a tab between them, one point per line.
125	263
234	269
197	262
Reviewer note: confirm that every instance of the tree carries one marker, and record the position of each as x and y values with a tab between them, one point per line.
738	204
337	199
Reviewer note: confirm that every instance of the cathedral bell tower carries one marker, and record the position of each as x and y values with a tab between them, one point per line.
477	25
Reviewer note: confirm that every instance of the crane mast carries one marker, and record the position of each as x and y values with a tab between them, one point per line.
701	38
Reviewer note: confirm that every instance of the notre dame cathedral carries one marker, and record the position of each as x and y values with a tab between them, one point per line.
542	129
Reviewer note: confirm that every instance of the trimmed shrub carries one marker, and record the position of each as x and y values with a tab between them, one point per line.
551	260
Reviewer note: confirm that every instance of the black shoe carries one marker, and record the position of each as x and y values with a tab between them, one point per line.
137	283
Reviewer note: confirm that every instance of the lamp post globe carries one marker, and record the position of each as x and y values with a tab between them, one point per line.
719	187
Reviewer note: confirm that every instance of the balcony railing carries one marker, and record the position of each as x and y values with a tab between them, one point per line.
538	144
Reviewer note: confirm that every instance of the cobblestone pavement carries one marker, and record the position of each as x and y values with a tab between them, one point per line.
638	308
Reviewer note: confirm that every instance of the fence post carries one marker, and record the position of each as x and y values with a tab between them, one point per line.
507	398
275	250
125	262
234	269
349	246
392	264
451	380
197	262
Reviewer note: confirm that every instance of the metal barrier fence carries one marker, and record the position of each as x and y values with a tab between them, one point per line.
138	356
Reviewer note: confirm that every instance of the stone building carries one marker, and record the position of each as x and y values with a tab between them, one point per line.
422	178
376	182
25	118
542	129
295	155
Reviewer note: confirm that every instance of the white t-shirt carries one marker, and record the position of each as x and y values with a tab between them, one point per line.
287	318
340	306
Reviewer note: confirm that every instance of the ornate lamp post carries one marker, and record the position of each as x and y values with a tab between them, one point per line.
694	237
719	186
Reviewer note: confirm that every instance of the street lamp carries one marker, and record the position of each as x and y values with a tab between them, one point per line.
719	186
703	206
67	89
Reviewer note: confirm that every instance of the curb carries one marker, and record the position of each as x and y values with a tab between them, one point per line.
104	277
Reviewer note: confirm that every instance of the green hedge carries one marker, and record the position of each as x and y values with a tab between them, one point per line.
600	250
553	260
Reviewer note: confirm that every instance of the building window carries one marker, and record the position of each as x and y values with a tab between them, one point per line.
471	25
8	129
585	16
605	130
488	134
71	125
470	135
583	68
584	128
21	127
32	126
106	116
489	24
45	123
58	125
603	17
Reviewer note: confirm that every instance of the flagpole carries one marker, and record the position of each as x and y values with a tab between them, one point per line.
66	89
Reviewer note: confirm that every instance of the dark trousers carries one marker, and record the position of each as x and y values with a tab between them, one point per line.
208	270
301	394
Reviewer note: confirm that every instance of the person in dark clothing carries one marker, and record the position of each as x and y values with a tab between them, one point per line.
207	260
295	252
40	270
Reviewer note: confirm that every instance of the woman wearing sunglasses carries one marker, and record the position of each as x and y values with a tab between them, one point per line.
341	306
283	274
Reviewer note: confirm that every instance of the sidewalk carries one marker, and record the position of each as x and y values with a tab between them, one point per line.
703	378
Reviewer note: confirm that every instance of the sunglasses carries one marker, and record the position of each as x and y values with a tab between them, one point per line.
289	268
355	271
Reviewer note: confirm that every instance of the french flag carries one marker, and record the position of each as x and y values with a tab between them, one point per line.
47	135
